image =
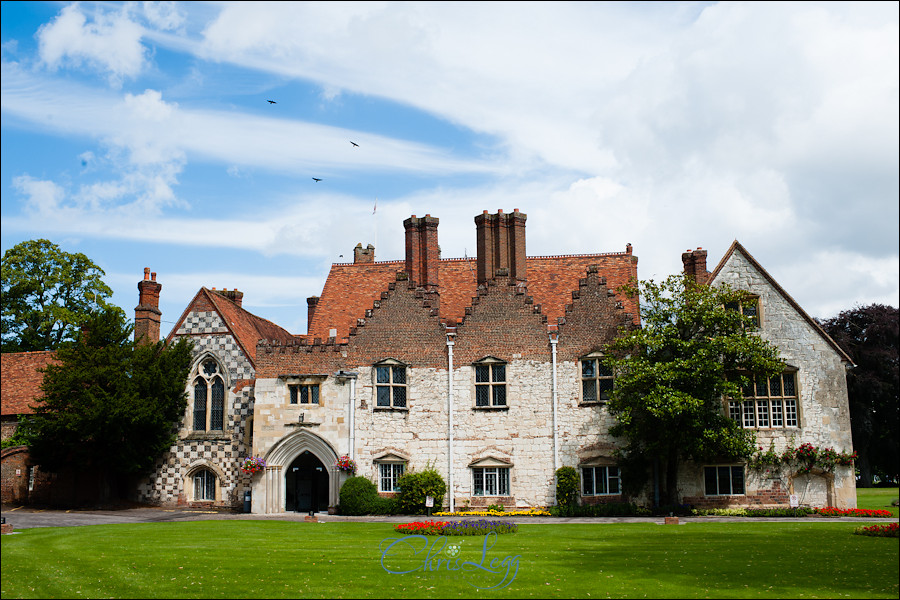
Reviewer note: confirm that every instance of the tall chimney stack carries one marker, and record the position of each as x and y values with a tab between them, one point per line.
500	241
695	265
147	314
423	255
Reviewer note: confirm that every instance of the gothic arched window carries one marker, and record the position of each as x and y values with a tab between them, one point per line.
209	397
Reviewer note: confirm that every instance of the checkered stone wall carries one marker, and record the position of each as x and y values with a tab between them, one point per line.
221	452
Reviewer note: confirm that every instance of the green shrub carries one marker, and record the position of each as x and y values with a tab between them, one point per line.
566	486
612	509
415	486
359	496
385	506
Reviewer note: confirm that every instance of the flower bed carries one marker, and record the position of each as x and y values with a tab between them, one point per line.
830	511
480	527
802	511
530	512
889	530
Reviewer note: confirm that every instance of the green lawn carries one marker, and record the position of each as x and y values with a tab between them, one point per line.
877	499
230	559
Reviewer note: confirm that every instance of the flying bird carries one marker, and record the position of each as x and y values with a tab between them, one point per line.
354	143
316	179
271	102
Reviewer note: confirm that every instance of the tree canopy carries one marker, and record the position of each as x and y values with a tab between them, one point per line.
46	294
673	376
109	405
870	336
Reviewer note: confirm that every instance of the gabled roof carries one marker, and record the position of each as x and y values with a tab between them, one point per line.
21	377
351	289
246	327
737	247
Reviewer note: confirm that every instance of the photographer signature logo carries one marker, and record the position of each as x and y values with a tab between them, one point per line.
412	553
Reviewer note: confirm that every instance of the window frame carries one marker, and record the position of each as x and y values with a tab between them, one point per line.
497	384
596	379
499	476
208	481
213	383
607	479
718	470
313	393
392	476
741	306
777	411
394	388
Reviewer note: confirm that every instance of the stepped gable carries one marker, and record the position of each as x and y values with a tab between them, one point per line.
351	289
246	327
22	380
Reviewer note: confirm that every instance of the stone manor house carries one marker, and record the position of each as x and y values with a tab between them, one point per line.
485	368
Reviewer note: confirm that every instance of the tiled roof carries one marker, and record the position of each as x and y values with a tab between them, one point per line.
351	289
21	380
246	327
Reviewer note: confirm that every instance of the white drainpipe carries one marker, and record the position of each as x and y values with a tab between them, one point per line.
342	376
451	489
553	341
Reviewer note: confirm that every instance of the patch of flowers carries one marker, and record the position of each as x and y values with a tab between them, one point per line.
530	512
831	511
889	530
252	465
479	527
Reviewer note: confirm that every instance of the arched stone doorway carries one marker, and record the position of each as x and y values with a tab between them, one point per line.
307	452
306	484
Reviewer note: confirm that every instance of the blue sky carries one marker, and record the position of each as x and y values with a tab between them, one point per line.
140	134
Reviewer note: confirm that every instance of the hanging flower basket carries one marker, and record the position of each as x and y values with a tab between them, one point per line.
253	465
346	464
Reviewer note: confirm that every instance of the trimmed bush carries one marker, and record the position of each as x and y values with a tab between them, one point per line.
613	509
566	486
415	486
359	496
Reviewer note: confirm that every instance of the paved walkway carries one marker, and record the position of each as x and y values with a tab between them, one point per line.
24	517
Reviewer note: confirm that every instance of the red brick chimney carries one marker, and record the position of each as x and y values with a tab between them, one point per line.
311	304
423	254
500	241
147	314
363	255
695	265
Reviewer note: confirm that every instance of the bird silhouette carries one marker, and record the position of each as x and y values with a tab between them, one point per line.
354	143
316	179
271	102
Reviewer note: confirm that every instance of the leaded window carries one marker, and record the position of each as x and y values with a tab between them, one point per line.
596	380
490	384
749	307
209	398
304	393
768	403
390	386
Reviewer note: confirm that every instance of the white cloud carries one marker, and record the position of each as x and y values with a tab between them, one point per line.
111	42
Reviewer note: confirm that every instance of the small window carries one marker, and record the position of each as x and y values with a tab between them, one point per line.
490	384
600	481
32	474
749	307
724	480
768	403
209	397
596	380
389	476
390	385
304	393
490	481
204	486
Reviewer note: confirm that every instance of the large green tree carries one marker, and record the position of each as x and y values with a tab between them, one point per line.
871	337
46	294
109	406
672	376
